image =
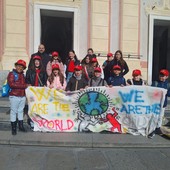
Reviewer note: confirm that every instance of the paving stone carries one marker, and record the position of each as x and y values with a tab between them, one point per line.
4	157
92	160
154	159
60	160
123	159
27	160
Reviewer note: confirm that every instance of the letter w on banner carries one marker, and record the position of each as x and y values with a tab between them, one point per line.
132	109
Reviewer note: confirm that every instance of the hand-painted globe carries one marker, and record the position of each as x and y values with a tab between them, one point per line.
93	103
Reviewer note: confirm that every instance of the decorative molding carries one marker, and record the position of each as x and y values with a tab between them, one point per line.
156	6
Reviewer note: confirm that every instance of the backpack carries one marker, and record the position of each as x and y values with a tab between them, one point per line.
6	88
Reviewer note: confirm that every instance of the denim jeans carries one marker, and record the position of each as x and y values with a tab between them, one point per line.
17	107
69	75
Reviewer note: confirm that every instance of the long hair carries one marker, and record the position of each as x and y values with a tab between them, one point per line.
75	57
52	59
83	62
122	61
41	67
51	77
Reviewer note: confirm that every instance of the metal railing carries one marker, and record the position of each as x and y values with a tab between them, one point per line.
129	56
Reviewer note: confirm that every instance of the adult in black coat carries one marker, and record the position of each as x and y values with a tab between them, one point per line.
45	58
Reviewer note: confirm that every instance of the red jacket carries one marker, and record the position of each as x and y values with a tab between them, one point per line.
17	86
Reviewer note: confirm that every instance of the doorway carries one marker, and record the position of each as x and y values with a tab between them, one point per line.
161	47
57	31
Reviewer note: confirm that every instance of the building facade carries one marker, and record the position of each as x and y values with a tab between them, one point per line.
140	28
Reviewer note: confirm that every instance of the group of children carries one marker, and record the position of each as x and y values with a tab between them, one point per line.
74	76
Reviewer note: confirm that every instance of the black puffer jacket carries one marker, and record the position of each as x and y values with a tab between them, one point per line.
30	77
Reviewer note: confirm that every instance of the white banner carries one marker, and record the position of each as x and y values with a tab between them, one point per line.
130	109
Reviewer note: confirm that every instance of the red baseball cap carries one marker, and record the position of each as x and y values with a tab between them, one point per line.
116	67
94	60
164	72
78	68
55	66
36	57
21	62
55	53
98	69
136	73
109	55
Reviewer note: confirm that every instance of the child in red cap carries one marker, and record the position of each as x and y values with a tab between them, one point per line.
16	81
162	83
77	81
97	80
116	79
56	79
107	66
136	80
55	59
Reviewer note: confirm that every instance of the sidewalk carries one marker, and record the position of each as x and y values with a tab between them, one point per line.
83	140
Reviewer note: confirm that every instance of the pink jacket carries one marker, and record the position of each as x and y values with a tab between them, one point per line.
56	83
49	67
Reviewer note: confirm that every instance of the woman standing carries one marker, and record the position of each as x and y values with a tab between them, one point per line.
35	76
118	60
72	61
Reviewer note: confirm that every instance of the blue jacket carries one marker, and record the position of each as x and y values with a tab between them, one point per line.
164	85
116	81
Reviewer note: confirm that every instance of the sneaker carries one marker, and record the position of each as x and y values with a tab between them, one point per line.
151	135
158	131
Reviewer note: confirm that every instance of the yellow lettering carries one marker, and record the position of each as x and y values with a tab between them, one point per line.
39	109
40	92
60	106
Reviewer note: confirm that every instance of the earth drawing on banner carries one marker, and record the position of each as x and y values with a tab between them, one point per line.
93	103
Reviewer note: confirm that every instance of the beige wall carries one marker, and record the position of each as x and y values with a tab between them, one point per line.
15	33
99	25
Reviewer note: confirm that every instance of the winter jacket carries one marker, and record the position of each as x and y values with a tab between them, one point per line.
134	82
18	85
108	67
76	62
124	68
97	81
75	84
117	81
31	76
57	84
164	85
88	71
49	67
44	56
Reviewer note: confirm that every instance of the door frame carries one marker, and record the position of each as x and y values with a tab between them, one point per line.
37	23
150	46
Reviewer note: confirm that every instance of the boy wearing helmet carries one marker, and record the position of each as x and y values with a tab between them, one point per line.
162	83
136	80
16	81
